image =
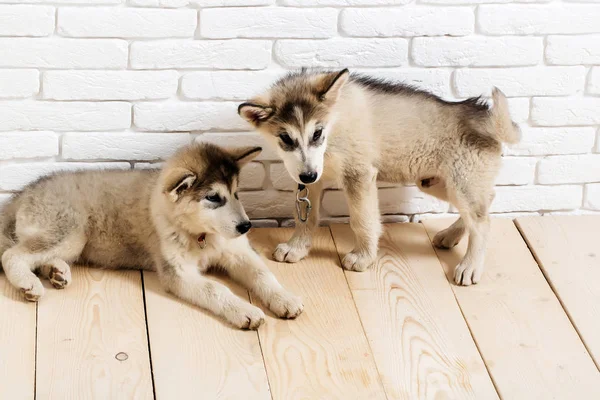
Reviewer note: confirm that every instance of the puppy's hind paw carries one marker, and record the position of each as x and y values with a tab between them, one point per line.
59	279
357	261
291	254
285	305
448	238
467	274
34	291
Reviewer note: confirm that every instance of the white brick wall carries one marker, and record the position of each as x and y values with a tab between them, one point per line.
123	83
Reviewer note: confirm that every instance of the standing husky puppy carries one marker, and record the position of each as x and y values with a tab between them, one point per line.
178	221
356	129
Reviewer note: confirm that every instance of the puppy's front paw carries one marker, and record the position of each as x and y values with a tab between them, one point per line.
246	317
286	305
357	261
467	274
290	253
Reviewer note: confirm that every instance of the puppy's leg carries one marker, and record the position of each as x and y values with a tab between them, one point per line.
188	284
18	263
474	214
249	269
365	221
299	244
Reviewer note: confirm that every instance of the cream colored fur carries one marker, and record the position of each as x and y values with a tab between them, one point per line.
377	130
145	219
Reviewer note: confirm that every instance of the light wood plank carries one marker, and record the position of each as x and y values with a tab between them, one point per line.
323	354
421	343
81	331
196	355
17	343
529	345
568	251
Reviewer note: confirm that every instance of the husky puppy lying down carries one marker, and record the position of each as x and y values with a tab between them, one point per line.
355	130
178	221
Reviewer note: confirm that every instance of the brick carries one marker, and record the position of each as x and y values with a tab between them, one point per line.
477	51
227	85
240	139
109	85
252	176
448	2
519	109
566	111
148	165
25	20
531	19
537	198
63	53
517	171
121	145
14	177
407	21
268	204
71	116
569	169
159	3
342	52
280	178
214	54
88	2
178	116
529	81
573	50
435	80
547	141
268	22
264	223
229	3
310	3
398	200
125	22
19	83
592	196
594	81
28	145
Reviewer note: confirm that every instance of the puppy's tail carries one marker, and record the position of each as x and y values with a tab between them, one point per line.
502	125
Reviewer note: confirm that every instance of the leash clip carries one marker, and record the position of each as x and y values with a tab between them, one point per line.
302	197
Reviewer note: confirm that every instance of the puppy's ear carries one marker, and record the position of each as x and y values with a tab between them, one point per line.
177	181
329	85
243	155
255	113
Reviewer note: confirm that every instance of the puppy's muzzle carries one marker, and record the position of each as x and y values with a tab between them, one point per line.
243	227
308	177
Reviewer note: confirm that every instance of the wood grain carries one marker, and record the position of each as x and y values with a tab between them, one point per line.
568	251
81	331
421	343
529	345
17	343
323	354
196	355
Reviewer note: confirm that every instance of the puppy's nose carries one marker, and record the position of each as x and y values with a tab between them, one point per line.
308	177
243	227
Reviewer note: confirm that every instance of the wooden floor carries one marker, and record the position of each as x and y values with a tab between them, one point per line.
529	330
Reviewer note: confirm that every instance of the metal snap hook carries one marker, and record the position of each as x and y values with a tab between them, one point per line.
302	197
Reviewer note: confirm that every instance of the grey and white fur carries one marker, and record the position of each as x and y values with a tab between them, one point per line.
356	129
148	219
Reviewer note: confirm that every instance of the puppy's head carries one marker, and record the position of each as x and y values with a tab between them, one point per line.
296	116
199	184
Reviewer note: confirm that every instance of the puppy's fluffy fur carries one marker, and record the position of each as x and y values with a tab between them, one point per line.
149	219
357	129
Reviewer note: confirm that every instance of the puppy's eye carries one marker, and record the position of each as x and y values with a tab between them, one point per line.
213	198
285	138
318	134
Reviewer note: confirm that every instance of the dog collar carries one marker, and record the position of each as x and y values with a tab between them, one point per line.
202	240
